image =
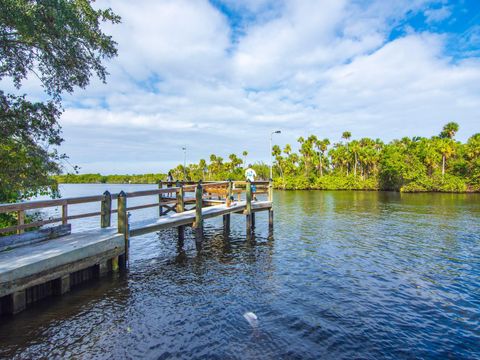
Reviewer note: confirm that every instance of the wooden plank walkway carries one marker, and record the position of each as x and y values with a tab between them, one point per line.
17	266
188	217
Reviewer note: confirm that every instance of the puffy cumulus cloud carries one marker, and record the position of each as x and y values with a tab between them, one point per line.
407	87
183	77
170	38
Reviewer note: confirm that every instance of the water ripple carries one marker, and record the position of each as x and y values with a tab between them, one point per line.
348	275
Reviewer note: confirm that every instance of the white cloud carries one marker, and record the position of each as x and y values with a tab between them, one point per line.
313	67
436	15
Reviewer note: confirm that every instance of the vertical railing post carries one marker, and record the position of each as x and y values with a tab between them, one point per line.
106	209
248	209
160	208
20	220
198	213
123	222
64	213
181	208
181	199
169	185
270	190
270	211
228	200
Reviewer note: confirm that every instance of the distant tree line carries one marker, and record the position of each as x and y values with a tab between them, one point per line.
109	179
416	164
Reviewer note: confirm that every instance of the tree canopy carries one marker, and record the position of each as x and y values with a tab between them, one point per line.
438	163
61	43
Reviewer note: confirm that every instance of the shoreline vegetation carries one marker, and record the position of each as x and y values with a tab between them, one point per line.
417	164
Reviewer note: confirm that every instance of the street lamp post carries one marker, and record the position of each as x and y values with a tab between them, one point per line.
184	163
271	150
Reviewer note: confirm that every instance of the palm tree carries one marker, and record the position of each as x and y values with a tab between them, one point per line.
322	146
355	148
306	149
447	145
277	154
447	149
234	161
245	154
203	167
290	160
347	135
449	130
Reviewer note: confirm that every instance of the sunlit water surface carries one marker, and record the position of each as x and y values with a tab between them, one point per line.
347	275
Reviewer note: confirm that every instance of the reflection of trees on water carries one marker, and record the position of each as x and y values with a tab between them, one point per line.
418	229
220	255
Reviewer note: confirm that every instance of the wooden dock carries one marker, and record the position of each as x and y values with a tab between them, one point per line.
50	261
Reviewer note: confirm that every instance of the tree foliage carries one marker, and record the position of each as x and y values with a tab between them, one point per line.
439	163
60	41
62	44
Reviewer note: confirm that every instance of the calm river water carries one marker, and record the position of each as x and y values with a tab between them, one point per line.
347	275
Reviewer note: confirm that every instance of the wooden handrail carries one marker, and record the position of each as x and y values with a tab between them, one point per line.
252	182
20	208
153	192
39	204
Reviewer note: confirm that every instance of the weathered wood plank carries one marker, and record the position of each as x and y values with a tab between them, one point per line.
106	210
32	237
189	217
20	220
64	214
41	262
57	272
152	192
29	225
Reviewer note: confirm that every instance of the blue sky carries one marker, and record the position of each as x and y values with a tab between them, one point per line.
219	75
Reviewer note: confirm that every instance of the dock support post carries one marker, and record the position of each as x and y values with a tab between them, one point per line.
248	209
226	217
198	225
123	223
106	209
18	302
103	268
115	263
226	225
160	208
62	285
181	208
270	211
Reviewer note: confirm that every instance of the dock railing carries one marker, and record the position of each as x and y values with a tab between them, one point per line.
173	197
30	270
